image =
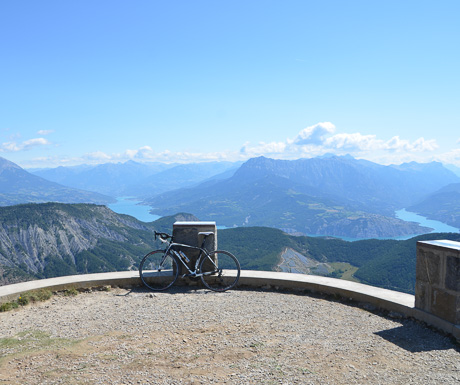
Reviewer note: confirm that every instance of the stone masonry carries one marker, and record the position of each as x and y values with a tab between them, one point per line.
437	289
188	234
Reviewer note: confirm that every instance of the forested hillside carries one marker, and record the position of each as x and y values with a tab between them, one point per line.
329	195
338	196
384	263
54	239
443	205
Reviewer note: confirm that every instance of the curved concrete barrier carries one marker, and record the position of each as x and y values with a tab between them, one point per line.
380	298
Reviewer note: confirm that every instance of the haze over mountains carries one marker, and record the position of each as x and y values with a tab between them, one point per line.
329	195
338	196
20	186
135	179
442	205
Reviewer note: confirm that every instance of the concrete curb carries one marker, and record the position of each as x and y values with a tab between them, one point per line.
120	278
384	299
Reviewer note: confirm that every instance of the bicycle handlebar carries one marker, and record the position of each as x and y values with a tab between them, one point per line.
162	236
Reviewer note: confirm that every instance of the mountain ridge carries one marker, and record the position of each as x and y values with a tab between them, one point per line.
133	178
19	186
443	205
338	196
52	239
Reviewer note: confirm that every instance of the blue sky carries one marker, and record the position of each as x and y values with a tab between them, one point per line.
186	81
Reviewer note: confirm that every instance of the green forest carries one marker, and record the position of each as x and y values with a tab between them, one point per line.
35	240
384	263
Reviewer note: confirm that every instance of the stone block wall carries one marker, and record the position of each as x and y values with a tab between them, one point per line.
437	288
188	234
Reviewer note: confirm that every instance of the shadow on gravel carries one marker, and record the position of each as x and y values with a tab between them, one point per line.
414	338
172	290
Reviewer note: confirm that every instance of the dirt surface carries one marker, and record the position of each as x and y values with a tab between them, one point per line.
199	337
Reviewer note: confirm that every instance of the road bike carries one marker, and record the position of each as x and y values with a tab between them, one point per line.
218	270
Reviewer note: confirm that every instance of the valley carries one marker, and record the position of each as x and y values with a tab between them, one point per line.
54	239
336	196
277	215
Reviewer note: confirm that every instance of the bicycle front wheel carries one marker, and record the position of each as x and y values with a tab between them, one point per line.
220	270
158	271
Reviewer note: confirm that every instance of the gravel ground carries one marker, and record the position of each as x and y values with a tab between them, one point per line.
198	337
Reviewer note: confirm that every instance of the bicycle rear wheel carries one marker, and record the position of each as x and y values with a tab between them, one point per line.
158	271
220	271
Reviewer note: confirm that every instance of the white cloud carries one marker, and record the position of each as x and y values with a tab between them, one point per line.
320	139
353	142
363	143
314	134
35	142
146	153
312	141
45	132
97	156
451	157
263	148
419	145
26	145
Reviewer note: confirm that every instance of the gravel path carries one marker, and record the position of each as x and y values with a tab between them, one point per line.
199	337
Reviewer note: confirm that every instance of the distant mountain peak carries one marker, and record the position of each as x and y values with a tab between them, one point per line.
331	155
19	186
6	164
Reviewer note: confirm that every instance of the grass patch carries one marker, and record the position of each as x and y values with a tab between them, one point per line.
344	271
71	292
30	341
41	295
8	306
24	299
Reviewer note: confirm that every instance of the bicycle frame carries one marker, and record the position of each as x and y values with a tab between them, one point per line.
203	253
216	269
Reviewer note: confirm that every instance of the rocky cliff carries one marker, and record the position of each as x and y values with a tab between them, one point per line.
45	239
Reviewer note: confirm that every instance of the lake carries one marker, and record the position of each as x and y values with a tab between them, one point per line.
129	206
438	227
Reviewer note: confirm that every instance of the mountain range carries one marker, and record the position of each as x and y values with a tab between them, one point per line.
19	186
134	178
443	205
338	196
329	195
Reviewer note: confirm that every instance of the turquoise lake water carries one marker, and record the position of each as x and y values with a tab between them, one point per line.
438	227
125	205
130	206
